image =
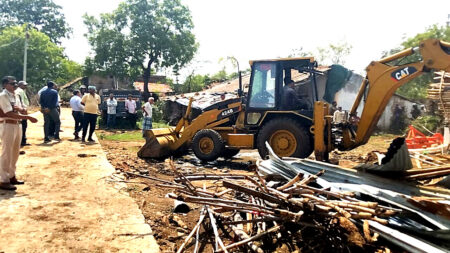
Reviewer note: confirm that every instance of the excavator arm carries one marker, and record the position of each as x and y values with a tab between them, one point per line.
380	84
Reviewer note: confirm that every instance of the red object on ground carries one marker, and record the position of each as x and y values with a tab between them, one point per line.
417	139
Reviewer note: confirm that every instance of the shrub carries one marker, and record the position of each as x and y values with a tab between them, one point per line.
157	111
430	122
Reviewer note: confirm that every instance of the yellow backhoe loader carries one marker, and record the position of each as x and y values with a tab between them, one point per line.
261	116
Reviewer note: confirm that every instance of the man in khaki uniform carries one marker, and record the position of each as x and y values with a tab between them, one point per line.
10	118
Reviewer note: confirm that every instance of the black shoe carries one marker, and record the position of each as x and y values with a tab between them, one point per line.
82	140
46	140
22	152
14	181
90	140
58	139
7	186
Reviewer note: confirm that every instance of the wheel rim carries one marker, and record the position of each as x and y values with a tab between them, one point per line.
283	143
206	145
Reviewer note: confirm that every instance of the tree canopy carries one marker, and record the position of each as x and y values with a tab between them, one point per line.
46	60
417	88
44	15
334	53
139	35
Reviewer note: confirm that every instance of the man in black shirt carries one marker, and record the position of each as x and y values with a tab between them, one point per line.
290	100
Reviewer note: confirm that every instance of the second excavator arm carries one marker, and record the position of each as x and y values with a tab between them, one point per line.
379	85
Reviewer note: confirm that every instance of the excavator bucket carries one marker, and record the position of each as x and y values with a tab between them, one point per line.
157	143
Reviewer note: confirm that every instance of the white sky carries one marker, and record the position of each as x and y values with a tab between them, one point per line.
261	29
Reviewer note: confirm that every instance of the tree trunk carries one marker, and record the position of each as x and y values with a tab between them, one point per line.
146	76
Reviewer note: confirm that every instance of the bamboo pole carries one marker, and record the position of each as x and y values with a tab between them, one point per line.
194	230
255	237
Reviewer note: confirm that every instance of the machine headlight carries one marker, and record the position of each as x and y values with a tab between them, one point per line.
253	118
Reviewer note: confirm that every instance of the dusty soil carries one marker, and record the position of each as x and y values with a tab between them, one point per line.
68	202
170	229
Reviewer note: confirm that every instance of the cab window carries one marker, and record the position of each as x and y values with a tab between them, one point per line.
263	86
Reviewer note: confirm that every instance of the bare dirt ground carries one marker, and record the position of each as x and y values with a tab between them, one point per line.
68	203
170	229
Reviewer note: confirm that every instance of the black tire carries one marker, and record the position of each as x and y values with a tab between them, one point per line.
301	148
228	153
207	145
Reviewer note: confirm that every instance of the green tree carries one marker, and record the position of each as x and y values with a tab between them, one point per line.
142	34
44	15
299	52
193	83
417	88
46	60
220	76
334	53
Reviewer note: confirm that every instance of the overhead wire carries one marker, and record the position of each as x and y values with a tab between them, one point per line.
5	45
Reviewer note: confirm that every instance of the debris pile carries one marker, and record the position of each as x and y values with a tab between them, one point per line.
273	213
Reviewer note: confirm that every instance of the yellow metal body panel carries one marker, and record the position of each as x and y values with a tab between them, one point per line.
240	140
321	109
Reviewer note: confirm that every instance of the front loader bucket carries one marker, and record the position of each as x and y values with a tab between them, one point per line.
157	143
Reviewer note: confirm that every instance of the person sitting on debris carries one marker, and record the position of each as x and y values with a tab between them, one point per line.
112	105
11	135
339	116
130	106
77	112
148	112
90	101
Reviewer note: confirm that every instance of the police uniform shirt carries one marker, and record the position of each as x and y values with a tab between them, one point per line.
7	102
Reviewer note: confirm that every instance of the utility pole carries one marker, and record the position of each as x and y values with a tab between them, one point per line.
25	54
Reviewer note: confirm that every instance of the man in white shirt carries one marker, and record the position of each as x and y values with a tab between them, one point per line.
111	103
130	106
148	112
339	116
21	92
10	117
77	112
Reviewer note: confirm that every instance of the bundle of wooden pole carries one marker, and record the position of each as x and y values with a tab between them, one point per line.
440	92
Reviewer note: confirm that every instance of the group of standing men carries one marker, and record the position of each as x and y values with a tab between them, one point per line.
13	112
131	110
14	117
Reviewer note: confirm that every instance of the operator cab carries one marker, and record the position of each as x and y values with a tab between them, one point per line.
280	86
